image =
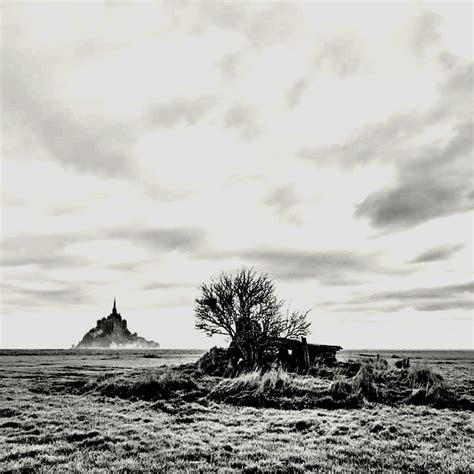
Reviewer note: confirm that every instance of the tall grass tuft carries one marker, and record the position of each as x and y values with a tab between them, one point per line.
423	376
365	382
430	388
149	386
278	389
376	381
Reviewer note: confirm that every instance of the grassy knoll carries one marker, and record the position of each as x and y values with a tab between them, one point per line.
340	387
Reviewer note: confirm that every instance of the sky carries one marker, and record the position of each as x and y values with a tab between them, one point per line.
147	147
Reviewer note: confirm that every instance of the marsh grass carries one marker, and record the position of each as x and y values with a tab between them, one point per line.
375	381
148	386
279	389
419	384
347	385
106	424
89	434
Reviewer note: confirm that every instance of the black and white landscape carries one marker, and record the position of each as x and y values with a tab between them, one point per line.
280	197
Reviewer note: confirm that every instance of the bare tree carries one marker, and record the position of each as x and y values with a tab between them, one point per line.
245	308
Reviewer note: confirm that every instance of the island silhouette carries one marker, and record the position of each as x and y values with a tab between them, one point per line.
111	332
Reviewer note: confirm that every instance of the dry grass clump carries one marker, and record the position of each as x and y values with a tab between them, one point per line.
429	388
378	382
365	382
422	375
279	389
164	384
375	381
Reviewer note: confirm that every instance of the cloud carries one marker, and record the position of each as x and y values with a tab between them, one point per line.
88	111
341	55
285	200
432	293
438	253
456	89
222	15
395	140
369	144
454	304
295	93
126	267
68	294
229	65
51	251
261	24
242	117
76	140
327	267
164	285
433	175
429	152
189	110
184	239
440	298
425	32
46	251
437	183
44	261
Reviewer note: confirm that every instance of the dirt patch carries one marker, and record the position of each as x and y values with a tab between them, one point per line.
8	412
81	436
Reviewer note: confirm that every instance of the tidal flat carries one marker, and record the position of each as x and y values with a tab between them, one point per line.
50	423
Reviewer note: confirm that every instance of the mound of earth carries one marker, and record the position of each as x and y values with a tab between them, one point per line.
112	333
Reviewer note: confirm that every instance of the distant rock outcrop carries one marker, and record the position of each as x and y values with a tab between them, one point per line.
112	333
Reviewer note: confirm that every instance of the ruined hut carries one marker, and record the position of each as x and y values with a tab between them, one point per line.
291	354
297	355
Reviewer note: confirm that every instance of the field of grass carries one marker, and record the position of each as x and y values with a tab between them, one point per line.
108	424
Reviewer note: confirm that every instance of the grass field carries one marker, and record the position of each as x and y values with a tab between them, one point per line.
46	428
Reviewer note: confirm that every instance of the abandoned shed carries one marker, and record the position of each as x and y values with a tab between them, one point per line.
290	354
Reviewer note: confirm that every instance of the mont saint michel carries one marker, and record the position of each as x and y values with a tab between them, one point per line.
111	332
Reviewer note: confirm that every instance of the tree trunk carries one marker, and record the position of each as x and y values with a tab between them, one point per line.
248	354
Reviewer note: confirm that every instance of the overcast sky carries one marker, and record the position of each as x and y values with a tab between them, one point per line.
147	147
